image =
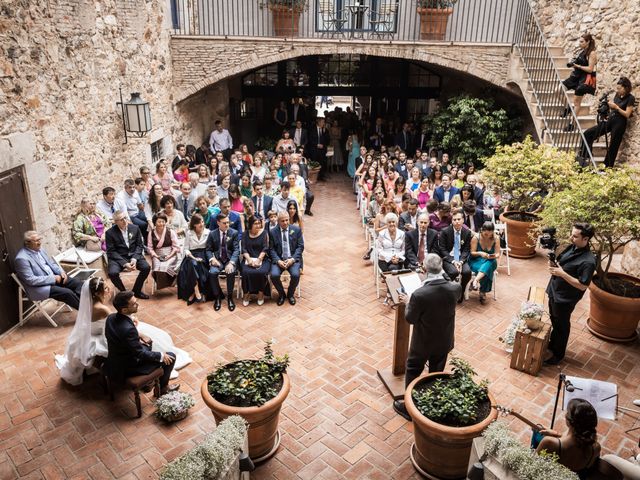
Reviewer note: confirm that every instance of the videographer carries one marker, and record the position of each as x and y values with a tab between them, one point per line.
583	77
570	276
612	119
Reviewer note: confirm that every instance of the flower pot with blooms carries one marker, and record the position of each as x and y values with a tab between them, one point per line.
174	406
434	16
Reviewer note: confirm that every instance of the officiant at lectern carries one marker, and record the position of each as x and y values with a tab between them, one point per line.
431	309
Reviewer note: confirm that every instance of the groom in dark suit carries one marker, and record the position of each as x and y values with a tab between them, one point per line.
129	356
286	247
125	252
222	252
431	310
454	244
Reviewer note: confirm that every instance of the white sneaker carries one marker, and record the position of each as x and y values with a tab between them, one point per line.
260	302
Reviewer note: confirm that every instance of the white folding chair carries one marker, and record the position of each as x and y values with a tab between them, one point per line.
490	213
34	306
79	259
501	230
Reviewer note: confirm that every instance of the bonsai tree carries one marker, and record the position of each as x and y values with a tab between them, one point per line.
471	128
608	201
526	172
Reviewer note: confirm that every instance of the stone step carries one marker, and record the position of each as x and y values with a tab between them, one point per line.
558	62
553	49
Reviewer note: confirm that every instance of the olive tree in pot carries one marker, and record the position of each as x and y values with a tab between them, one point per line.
448	411
434	16
524	174
255	390
609	202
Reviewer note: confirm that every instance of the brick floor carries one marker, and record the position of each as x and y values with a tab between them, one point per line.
336	423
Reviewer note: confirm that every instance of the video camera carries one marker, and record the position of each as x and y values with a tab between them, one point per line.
549	242
603	106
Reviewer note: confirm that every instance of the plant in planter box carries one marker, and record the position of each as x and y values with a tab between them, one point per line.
528	319
434	16
286	16
448	412
436	3
255	390
526	173
174	406
609	202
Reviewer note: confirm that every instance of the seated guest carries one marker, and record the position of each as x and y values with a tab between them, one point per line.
419	242
286	246
465	194
295	191
109	204
441	218
246	190
145	175
175	218
194	270
294	215
302	181
258	170
212	196
272	222
454	245
152	205
163	247
185	201
578	449
224	182
42	277
374	205
478	193
261	202
255	260
380	222
423	194
163	177
248	211
204	179
409	219
473	217
135	208
390	245
89	227
271	188
125	249
235	199
181	154
205	210
181	174
223	253
129	355
485	251
281	200
445	192
234	217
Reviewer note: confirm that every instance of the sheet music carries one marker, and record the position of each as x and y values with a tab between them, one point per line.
594	391
410	282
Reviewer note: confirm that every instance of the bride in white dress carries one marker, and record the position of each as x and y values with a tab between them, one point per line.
87	339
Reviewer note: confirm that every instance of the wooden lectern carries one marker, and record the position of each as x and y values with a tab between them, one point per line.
393	378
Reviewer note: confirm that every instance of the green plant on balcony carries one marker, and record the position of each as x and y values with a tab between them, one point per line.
436	3
297	5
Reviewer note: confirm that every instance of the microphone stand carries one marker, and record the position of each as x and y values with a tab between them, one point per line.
561	379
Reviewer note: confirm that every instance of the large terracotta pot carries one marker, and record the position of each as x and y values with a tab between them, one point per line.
521	244
313	175
285	20
440	450
612	317
263	421
433	22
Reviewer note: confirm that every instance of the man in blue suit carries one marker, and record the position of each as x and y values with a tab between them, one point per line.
43	278
261	202
446	191
286	247
235	221
222	252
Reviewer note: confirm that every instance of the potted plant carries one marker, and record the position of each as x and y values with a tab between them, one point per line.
286	16
609	202
314	171
255	390
525	173
174	406
434	16
448	410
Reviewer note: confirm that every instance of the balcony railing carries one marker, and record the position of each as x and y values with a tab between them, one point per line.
473	21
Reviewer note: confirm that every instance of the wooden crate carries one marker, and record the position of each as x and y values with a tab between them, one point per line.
529	349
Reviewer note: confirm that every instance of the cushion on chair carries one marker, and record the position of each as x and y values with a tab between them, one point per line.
140	381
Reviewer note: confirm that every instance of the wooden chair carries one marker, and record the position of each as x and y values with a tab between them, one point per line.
135	384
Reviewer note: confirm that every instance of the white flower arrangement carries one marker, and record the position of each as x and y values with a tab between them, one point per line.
530	312
521	460
173	404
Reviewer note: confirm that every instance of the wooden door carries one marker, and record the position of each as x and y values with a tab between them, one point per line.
15	219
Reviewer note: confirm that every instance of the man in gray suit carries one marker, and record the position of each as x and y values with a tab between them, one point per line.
186	200
431	310
43	278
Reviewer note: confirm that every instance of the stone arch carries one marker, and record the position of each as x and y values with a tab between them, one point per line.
487	62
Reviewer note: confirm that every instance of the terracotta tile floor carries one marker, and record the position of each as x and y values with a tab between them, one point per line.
337	422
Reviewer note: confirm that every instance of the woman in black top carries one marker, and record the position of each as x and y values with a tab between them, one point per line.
255	261
621	110
583	65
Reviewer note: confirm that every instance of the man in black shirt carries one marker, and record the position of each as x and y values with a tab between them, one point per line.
570	277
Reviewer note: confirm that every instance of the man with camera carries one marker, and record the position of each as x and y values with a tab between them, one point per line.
571	275
612	117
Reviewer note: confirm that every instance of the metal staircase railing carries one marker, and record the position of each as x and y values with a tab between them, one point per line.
544	80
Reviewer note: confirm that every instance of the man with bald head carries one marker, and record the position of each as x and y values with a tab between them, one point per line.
419	242
42	277
286	247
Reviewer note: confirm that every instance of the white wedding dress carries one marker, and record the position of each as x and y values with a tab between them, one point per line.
87	341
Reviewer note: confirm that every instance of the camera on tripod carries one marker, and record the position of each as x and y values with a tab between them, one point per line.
603	106
549	242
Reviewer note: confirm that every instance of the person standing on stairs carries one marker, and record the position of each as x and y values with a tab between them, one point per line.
583	77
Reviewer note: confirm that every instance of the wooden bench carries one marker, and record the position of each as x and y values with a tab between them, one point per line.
529	348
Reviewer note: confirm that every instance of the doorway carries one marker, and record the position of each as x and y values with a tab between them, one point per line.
15	219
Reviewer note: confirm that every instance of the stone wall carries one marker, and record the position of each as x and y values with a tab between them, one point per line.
61	63
616	27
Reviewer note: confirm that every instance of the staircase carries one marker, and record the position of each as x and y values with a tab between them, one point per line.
539	71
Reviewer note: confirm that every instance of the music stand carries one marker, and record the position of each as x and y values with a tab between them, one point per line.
393	378
603	396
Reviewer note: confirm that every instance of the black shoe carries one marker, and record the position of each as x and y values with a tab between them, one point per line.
231	305
217	304
292	300
552	361
141	296
400	409
194	300
461	299
280	301
201	299
309	213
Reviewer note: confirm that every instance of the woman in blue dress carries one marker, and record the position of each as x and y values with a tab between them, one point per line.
485	252
353	146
